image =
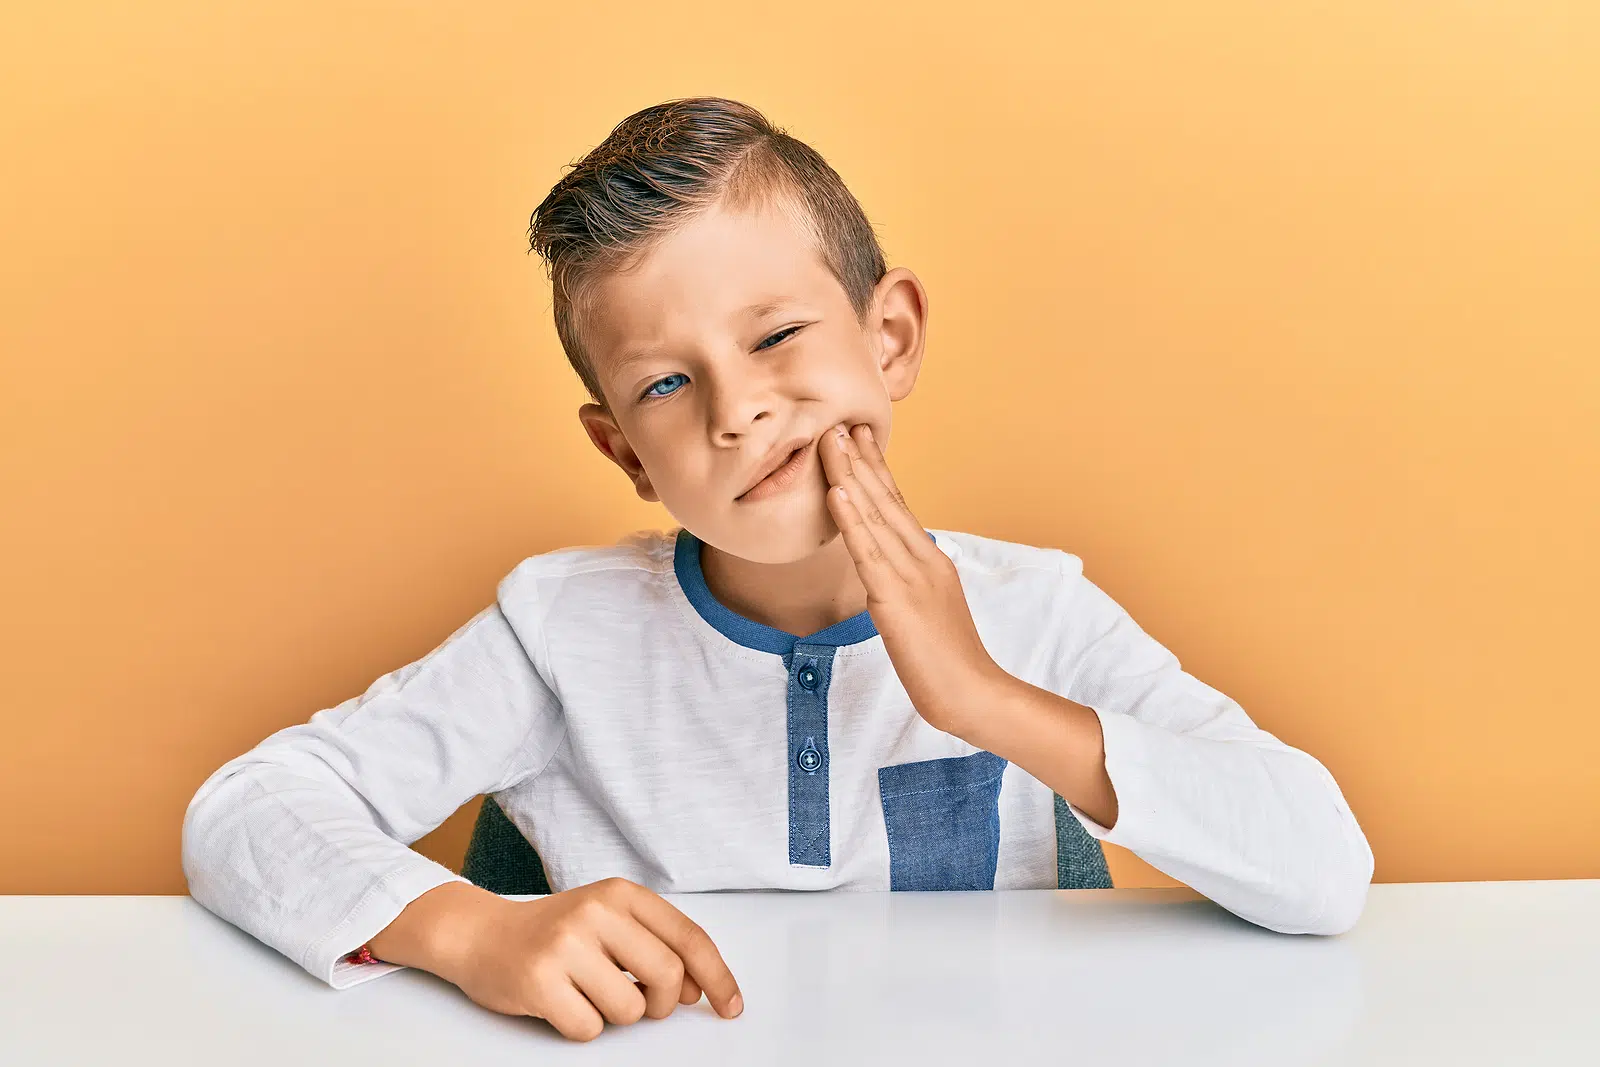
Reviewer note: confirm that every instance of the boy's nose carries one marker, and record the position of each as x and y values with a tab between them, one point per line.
752	410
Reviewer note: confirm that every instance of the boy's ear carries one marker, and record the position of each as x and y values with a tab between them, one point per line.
900	319
607	436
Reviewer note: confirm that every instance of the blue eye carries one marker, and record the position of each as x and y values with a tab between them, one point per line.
652	390
780	335
786	330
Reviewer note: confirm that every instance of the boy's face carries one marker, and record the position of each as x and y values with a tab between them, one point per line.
726	346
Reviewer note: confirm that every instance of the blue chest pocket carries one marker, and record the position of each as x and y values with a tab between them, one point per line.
943	818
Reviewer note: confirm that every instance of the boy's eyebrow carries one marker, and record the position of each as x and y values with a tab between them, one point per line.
753	311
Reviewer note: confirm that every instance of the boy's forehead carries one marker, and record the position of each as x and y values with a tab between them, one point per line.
716	272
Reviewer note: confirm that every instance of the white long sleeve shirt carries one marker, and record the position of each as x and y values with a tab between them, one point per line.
631	725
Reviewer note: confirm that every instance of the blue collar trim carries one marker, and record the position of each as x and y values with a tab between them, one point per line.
748	632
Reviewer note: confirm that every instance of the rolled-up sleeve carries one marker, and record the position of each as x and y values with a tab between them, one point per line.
1204	794
303	841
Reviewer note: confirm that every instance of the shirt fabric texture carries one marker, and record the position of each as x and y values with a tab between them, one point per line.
631	725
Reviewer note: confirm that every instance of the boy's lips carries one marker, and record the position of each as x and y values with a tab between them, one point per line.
777	469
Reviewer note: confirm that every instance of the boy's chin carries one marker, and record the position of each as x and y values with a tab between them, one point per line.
785	535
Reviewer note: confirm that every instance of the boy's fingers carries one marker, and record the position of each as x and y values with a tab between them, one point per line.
872	456
659	971
694	947
872	473
612	993
866	547
882	517
689	994
570	1012
918	541
873	564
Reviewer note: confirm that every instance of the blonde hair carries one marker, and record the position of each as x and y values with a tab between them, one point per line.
663	165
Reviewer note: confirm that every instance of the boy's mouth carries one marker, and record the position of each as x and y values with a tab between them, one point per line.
781	476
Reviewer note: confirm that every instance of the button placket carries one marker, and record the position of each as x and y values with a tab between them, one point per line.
809	673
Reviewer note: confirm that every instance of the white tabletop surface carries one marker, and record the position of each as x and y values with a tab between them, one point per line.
1440	973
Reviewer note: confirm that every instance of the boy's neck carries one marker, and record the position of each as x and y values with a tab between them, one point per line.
798	598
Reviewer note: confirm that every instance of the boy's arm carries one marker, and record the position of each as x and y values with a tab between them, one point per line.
304	840
1190	783
1152	759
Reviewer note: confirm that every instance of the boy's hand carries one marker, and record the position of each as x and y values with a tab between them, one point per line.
562	958
913	591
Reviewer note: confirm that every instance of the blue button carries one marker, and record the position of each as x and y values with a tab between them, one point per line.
808	677
809	759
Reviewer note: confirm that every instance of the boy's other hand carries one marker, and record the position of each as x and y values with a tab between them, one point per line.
562	957
913	591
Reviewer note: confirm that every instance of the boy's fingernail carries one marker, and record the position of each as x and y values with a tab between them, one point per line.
840	431
736	1005
867	430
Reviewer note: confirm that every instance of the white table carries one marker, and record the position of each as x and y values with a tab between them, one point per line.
1443	973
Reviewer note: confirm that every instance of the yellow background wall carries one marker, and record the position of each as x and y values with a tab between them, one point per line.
1285	320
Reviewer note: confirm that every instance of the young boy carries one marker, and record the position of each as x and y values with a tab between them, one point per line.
646	714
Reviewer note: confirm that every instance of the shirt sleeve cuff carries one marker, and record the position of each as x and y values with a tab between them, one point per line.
1128	767
378	908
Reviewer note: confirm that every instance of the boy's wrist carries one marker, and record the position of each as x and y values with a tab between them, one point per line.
460	926
993	712
436	931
